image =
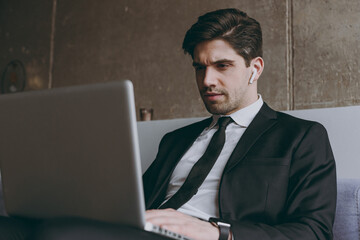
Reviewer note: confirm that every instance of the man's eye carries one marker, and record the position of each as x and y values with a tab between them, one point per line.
223	65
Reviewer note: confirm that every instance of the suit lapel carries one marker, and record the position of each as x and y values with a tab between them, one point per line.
183	143
263	121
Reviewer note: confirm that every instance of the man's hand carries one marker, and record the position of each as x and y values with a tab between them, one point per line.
186	225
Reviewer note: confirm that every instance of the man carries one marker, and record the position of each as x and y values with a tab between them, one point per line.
273	178
275	175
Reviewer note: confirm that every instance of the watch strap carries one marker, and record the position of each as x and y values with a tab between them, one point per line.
224	227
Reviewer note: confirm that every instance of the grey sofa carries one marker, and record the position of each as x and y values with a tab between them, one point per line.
343	127
347	221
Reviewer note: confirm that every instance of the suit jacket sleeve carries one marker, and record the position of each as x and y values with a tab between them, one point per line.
310	202
151	178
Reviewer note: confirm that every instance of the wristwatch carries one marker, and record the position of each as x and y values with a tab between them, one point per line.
224	227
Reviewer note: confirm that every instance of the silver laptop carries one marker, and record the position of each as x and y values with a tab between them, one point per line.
73	152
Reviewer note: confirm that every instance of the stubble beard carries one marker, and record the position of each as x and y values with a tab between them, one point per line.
218	107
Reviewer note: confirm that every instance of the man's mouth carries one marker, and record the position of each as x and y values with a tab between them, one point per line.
212	96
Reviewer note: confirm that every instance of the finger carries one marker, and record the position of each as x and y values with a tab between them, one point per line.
162	217
161	213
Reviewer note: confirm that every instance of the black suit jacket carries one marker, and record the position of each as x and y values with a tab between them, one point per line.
279	183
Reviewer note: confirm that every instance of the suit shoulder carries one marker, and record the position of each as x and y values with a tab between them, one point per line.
296	122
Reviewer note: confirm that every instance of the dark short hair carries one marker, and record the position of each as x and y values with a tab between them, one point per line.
242	32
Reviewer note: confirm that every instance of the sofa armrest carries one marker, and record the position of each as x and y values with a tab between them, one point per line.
347	218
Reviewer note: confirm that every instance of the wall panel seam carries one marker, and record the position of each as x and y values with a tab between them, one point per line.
290	56
52	42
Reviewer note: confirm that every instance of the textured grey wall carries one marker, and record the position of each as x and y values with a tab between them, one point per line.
310	48
326	53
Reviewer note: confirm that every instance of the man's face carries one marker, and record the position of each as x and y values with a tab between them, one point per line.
222	77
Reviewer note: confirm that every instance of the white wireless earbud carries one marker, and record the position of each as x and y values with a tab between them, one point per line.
253	76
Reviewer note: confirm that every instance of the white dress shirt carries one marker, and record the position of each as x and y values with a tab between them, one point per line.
204	204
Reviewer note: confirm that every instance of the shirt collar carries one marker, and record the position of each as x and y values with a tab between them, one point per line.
244	116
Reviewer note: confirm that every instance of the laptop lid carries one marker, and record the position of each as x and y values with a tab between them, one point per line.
72	152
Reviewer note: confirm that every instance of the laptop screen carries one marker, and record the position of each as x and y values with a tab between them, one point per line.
72	152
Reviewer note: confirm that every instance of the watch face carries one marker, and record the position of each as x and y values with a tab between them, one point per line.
218	221
13	78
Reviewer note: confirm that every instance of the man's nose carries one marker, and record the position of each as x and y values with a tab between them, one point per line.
209	78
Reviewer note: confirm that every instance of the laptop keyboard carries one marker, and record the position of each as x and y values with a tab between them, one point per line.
156	229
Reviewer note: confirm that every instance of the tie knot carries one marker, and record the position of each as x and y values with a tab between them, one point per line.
224	121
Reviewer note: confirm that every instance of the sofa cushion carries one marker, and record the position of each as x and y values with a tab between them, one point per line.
347	218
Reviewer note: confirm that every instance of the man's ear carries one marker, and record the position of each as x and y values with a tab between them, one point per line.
257	64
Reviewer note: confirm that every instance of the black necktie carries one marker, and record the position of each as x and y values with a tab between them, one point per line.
201	168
